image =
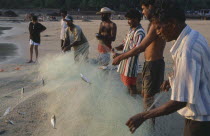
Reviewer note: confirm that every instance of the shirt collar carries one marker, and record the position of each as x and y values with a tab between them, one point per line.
139	26
177	43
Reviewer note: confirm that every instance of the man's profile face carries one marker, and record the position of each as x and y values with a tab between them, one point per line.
132	22
165	30
146	11
105	16
69	23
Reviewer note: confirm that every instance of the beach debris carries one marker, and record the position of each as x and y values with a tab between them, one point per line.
46	35
103	67
22	91
108	67
21	113
43	83
7	111
17	68
53	121
85	78
1	70
7	96
2	132
11	122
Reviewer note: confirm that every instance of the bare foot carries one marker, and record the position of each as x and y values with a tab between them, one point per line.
36	61
30	61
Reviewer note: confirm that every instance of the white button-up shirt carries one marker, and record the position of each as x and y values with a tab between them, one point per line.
191	78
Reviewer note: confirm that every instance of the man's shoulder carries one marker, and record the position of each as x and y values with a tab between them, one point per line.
113	23
141	29
200	44
39	24
76	27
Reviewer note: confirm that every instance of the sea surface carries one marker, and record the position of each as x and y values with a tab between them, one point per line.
7	50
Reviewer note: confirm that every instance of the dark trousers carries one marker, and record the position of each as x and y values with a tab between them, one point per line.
196	128
62	42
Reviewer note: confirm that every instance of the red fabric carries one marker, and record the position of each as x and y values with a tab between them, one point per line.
127	81
104	48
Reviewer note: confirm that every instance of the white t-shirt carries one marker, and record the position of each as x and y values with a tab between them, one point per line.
63	28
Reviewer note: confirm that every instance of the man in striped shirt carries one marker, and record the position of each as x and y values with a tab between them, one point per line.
191	77
154	65
128	68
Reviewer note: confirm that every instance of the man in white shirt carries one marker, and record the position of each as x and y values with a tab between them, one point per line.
63	26
190	81
75	38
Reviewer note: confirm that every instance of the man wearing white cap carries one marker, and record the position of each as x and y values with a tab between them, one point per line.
106	35
75	38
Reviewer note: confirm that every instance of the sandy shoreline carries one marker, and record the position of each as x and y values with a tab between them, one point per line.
18	74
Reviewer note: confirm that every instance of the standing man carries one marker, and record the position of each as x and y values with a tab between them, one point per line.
154	65
106	35
63	26
190	86
75	38
128	68
35	28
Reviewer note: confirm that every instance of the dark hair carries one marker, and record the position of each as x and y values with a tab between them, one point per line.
166	10
147	2
63	11
34	18
134	13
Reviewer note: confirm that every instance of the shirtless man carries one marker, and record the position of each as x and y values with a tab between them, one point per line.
106	35
154	65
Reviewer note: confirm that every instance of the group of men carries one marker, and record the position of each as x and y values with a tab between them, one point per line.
190	81
153	71
72	36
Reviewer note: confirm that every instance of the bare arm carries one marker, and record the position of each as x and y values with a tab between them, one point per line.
150	37
170	107
100	28
113	32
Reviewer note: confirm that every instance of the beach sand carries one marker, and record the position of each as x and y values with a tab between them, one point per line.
27	112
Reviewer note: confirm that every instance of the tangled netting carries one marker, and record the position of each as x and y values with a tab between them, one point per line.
99	108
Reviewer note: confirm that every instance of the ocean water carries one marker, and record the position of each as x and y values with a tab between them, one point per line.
7	50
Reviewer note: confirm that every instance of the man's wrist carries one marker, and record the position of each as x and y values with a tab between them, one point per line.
145	115
121	57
